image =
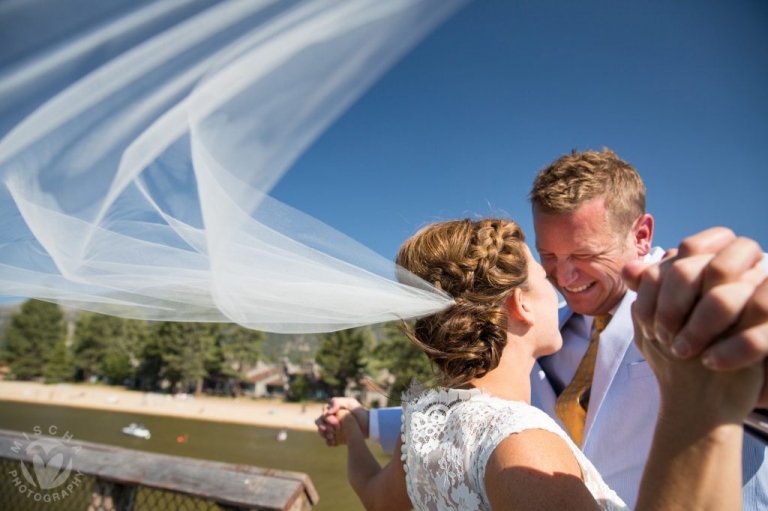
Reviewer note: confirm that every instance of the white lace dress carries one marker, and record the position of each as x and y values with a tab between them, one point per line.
449	435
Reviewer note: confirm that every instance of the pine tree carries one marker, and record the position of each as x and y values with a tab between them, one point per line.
150	357
187	349
403	359
107	346
92	333
60	365
121	355
300	388
32	338
342	357
237	348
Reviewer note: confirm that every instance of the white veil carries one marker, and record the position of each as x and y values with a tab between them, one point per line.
139	141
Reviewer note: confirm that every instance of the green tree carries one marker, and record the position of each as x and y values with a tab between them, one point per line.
116	365
32	338
60	365
107	346
403	359
342	357
92	333
150	359
237	348
187	351
121	357
300	388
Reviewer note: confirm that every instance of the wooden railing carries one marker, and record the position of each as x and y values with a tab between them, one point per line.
116	475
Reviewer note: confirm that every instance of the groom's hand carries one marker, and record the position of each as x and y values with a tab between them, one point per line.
710	296
329	423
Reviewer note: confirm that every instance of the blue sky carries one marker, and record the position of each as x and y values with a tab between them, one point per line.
463	123
460	126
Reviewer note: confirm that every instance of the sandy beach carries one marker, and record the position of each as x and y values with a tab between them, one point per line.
268	413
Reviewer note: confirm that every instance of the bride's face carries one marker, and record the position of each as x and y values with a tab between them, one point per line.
543	299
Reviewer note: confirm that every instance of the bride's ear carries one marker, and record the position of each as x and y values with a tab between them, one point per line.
518	307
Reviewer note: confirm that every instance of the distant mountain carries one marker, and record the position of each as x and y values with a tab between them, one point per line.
295	347
302	347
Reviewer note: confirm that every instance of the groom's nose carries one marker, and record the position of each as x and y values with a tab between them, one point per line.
565	272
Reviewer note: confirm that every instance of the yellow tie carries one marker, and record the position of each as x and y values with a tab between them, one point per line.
571	405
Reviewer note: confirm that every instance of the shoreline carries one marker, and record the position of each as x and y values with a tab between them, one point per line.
257	412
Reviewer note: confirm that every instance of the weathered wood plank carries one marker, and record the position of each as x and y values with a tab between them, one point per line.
235	485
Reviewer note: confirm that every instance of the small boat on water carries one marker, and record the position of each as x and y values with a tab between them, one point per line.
282	435
137	430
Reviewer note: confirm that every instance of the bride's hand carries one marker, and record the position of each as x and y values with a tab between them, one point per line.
328	423
676	305
707	298
708	301
347	420
691	391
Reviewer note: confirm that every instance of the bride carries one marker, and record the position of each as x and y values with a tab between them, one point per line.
475	443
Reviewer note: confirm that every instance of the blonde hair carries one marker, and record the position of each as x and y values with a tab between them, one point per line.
479	263
576	178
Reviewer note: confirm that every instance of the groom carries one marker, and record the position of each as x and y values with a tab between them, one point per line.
590	222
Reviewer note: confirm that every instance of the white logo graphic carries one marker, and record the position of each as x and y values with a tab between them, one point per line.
52	466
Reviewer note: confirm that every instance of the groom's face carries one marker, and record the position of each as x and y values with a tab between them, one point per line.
583	256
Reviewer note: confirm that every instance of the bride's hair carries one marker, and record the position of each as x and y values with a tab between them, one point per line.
479	263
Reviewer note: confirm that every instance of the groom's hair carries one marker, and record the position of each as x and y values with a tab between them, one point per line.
578	177
479	263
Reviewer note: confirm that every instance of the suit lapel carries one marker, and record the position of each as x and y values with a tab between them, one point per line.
614	342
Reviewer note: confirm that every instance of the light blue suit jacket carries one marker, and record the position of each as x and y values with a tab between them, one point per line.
623	407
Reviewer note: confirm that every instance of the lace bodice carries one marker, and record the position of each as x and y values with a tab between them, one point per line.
448	437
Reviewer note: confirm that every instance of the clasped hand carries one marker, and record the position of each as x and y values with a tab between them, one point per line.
708	298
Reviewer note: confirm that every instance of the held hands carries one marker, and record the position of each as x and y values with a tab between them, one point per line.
710	296
329	422
346	421
696	394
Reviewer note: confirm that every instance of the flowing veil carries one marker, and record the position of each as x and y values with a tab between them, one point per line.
140	140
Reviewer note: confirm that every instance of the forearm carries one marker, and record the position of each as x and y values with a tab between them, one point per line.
362	466
692	467
695	458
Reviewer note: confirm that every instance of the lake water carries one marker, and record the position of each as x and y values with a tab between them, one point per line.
303	451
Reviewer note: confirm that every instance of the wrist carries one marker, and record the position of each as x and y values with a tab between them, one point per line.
349	425
688	418
362	417
708	399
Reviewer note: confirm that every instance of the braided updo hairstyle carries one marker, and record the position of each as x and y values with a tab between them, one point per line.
479	263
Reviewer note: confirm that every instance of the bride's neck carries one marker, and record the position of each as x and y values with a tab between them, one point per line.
511	379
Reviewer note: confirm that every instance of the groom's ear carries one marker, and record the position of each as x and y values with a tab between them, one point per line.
518	308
